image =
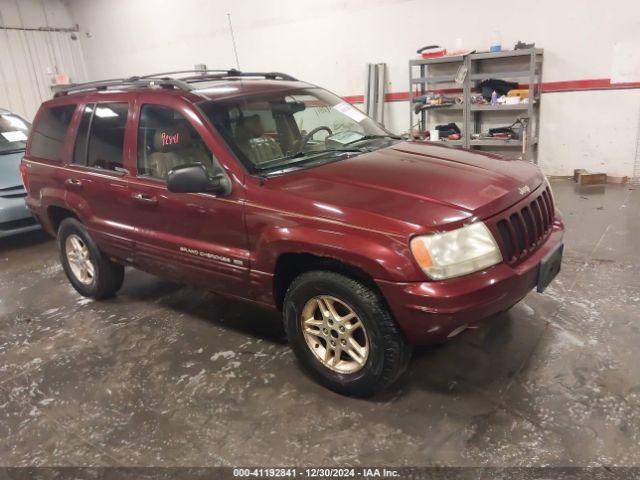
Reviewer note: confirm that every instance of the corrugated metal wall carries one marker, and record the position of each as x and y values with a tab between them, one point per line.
28	62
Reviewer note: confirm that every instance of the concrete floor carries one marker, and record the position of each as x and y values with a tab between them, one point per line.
167	375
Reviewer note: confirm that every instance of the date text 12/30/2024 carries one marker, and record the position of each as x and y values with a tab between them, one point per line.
315	473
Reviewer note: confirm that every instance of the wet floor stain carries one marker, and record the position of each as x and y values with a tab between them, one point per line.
167	375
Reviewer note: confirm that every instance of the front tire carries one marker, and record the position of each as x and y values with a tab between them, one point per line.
90	272
343	334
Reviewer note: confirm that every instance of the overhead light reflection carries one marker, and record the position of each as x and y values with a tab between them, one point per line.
105	112
217	89
329	208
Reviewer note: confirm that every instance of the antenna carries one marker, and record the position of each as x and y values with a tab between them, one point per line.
233	40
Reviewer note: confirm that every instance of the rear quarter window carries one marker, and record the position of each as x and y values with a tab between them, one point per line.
49	132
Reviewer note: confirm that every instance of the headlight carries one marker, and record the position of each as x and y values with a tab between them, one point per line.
458	252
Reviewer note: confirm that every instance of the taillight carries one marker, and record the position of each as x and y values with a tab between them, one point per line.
23	174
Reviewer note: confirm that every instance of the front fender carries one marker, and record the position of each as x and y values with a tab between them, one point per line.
384	257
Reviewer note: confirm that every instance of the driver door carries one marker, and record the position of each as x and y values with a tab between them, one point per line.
197	238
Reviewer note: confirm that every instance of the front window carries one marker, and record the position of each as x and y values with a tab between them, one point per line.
13	133
166	139
283	130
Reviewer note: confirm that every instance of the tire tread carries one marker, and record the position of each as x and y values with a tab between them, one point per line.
396	351
110	274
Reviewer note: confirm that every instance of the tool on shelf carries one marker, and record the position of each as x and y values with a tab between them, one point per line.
432	51
524	46
436	100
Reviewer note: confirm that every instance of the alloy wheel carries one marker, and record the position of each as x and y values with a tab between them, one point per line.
335	334
79	259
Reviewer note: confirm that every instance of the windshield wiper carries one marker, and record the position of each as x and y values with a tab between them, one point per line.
373	137
281	164
313	153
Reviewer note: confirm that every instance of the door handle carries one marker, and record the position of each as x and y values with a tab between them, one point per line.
144	198
73	183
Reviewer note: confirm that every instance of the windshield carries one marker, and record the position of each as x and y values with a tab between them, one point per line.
13	133
280	130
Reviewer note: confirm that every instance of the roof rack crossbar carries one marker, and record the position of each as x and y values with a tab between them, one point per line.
269	75
233	73
178	72
160	82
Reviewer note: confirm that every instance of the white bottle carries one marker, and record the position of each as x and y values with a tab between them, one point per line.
496	42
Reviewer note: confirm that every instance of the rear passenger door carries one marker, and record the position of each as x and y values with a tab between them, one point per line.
198	238
97	180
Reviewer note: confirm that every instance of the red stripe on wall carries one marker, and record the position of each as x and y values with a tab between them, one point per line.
581	85
547	87
359	98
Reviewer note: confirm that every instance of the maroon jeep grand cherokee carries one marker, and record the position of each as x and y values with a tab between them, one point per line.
276	191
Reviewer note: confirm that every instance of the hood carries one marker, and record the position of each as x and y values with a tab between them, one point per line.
422	185
10	170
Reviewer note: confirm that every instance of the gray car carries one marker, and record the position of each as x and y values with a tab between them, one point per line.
14	216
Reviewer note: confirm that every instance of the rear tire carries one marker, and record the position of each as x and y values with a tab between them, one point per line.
375	354
90	272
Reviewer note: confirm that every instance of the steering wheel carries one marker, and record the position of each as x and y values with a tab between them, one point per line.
304	140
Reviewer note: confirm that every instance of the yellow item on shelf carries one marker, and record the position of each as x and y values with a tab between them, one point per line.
519	92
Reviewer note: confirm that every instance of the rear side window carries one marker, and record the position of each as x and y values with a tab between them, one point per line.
47	138
100	138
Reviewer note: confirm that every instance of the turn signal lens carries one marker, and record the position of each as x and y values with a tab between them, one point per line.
455	253
422	254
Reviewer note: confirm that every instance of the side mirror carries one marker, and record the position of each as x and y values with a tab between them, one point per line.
193	178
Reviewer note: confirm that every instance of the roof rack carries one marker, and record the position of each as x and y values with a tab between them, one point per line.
131	82
210	75
178	72
165	80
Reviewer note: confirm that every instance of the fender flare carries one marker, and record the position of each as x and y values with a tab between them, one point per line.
53	198
386	260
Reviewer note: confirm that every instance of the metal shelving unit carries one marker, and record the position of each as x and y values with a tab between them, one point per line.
525	66
436	74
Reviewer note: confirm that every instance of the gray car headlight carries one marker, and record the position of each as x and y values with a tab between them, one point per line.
455	253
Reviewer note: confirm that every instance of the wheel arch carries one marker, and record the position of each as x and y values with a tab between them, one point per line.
56	214
287	252
290	265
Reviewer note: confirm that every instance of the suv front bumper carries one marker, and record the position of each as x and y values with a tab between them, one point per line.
428	312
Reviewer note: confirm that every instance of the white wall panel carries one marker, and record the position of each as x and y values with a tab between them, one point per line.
30	59
600	136
330	42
